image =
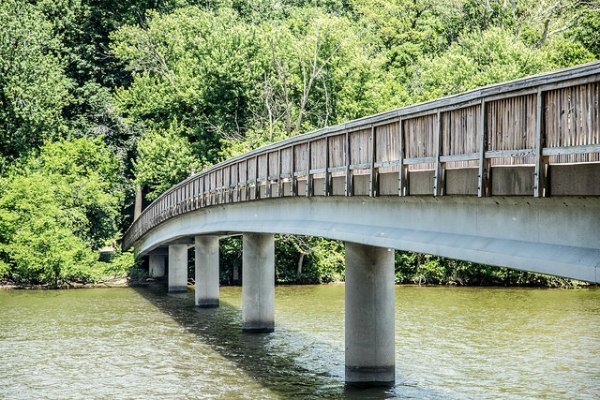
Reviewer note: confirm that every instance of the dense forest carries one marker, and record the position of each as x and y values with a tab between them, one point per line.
101	98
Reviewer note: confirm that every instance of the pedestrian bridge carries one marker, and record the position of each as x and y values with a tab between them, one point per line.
505	175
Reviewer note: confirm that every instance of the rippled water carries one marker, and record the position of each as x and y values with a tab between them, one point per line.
451	343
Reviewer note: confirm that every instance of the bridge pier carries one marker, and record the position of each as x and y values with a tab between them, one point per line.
156	265
178	260
258	282
207	271
369	326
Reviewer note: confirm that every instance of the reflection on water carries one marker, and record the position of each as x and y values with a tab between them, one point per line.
451	343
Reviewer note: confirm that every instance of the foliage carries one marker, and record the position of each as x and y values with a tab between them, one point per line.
425	269
193	65
164	159
482	58
230	259
55	210
33	85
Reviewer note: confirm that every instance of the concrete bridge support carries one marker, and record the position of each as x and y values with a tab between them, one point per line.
258	282
178	260
207	271
370	332
157	265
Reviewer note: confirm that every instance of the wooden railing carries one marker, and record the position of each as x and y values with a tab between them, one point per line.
537	121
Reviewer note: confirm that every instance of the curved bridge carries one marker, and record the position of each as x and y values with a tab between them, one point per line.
504	175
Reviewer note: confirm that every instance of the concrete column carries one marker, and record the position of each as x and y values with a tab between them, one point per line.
207	271
370	350
157	266
258	283
178	267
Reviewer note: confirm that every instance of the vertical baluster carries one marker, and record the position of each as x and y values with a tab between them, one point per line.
373	176
539	175
308	167
483	175
403	170
437	176
348	179
327	183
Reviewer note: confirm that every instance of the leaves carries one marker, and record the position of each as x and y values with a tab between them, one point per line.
57	209
164	158
33	86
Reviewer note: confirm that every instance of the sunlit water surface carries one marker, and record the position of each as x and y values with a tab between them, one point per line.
451	343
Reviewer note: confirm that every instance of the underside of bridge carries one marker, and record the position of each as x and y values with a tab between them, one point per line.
556	236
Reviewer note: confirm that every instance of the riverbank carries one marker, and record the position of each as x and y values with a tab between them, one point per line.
110	283
127	282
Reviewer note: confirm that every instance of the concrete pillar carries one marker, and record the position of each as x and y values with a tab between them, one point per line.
207	271
370	336
258	283
157	266
178	269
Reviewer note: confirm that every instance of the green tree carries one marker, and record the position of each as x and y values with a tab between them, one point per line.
33	87
57	209
195	66
164	158
482	58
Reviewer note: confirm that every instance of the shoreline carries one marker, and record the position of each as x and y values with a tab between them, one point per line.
110	283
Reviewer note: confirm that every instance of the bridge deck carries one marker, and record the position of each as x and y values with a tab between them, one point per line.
537	136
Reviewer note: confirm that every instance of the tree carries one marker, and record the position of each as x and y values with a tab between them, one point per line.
57	209
164	158
482	58
195	66
33	87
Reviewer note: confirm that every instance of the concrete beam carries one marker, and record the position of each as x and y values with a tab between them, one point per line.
555	235
370	330
258	283
207	271
178	268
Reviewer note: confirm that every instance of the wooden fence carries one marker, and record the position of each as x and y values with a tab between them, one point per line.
535	122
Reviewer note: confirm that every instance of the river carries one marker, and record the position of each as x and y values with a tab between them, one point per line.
451	343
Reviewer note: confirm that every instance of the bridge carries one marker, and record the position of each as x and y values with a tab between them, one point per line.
505	175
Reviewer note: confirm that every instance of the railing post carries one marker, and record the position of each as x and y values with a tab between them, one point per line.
438	179
280	176
309	191
247	183
256	184
348	179
221	189
231	185
483	175
294	188
539	175
187	196
208	189
373	174
402	172
202	202
327	185
268	183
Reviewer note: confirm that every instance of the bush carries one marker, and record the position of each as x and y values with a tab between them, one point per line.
56	210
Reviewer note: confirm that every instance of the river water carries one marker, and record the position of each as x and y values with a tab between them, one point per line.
451	343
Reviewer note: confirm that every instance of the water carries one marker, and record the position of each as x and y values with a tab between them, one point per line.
451	343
